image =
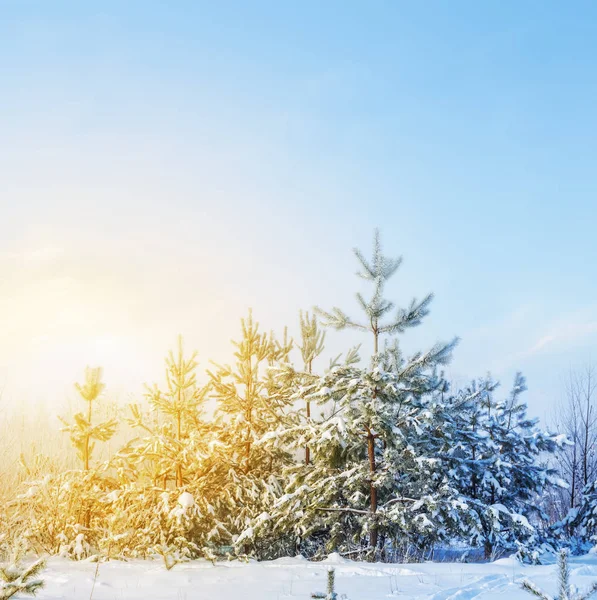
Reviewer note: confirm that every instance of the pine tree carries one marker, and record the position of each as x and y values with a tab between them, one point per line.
61	506
331	588
565	589
176	430
582	519
312	346
377	413
182	401
496	464
243	400
251	408
83	431
372	477
16	579
165	500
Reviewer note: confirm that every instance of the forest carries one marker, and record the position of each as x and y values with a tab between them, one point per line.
377	457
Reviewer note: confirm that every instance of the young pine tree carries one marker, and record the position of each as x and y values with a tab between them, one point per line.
244	405
372	399
17	579
83	433
331	588
376	475
182	402
250	409
565	589
165	500
496	463
312	345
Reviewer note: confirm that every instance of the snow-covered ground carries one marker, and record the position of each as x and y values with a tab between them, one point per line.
295	579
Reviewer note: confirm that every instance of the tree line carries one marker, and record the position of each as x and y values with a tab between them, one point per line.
373	457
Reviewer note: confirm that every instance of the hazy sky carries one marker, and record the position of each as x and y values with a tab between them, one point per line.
164	166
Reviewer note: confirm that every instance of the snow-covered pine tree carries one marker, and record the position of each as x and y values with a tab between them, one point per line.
243	402
18	579
62	511
163	503
374	406
565	589
496	464
523	475
331	588
371	479
582	519
182	403
83	432
250	409
312	345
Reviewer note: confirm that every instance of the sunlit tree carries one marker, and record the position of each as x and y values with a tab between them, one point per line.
83	432
312	345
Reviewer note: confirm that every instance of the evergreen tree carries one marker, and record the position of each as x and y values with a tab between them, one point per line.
496	464
63	511
331	588
376	409
372	477
244	405
250	409
565	589
17	579
182	402
165	500
311	347
582	519
83	431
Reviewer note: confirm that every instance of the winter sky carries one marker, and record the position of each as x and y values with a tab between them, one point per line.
164	166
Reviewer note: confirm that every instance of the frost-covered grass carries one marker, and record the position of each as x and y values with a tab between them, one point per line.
296	578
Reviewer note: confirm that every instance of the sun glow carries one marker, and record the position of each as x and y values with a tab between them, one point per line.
54	324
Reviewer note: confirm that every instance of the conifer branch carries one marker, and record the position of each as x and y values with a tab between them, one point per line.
530	587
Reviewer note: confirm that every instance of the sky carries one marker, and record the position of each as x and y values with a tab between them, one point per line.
166	166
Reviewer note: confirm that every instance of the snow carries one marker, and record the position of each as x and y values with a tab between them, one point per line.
186	500
79	547
296	578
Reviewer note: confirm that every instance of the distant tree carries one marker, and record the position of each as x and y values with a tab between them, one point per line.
83	431
496	463
577	419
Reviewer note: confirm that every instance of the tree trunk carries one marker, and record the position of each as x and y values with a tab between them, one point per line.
87	439
178	437
487	549
585	458
307	449
371	453
372	489
573	485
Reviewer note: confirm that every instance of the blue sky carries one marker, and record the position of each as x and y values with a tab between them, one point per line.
163	167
